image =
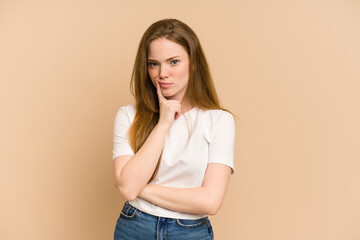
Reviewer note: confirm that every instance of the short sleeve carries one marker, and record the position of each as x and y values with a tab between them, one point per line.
222	141
120	138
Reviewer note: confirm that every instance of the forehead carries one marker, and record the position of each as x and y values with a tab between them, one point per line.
163	48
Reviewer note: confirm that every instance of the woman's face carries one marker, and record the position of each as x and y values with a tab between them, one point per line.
168	63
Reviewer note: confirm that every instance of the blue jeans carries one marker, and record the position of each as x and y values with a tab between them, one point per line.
134	224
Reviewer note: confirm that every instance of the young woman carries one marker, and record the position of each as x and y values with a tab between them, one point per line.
173	150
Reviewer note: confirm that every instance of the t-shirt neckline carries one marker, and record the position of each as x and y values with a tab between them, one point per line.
188	112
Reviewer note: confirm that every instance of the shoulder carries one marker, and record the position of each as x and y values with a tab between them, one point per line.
130	108
126	112
215	121
216	115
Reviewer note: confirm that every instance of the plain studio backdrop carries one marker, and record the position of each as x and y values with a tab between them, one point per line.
290	70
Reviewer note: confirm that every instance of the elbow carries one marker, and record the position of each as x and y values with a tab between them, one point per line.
127	193
212	210
212	207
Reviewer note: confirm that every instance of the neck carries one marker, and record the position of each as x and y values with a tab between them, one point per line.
186	106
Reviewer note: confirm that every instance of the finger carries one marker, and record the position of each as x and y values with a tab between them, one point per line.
158	90
178	112
177	115
176	105
174	102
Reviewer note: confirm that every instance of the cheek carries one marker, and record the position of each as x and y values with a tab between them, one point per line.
183	73
151	74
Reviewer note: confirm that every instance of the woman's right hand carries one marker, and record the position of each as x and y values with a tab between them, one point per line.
169	109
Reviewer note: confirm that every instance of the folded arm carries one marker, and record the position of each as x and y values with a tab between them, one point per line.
206	199
133	172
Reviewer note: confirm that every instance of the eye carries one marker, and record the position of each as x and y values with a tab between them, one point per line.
174	61
152	64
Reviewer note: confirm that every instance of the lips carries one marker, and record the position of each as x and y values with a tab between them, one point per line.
165	85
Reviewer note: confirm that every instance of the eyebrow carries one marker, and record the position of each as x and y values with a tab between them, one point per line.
149	59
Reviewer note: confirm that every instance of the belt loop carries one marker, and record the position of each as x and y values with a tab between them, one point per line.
127	207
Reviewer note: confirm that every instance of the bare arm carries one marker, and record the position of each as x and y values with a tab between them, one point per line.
133	172
206	199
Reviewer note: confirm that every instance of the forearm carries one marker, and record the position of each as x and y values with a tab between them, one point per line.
206	199
137	172
197	200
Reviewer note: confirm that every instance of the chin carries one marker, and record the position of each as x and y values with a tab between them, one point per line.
167	96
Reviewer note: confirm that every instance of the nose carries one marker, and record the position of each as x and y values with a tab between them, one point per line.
163	72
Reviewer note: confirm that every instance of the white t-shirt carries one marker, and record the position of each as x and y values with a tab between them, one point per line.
196	138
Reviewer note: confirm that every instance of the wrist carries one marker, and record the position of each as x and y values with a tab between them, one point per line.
163	127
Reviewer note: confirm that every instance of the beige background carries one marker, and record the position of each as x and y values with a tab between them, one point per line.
288	69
